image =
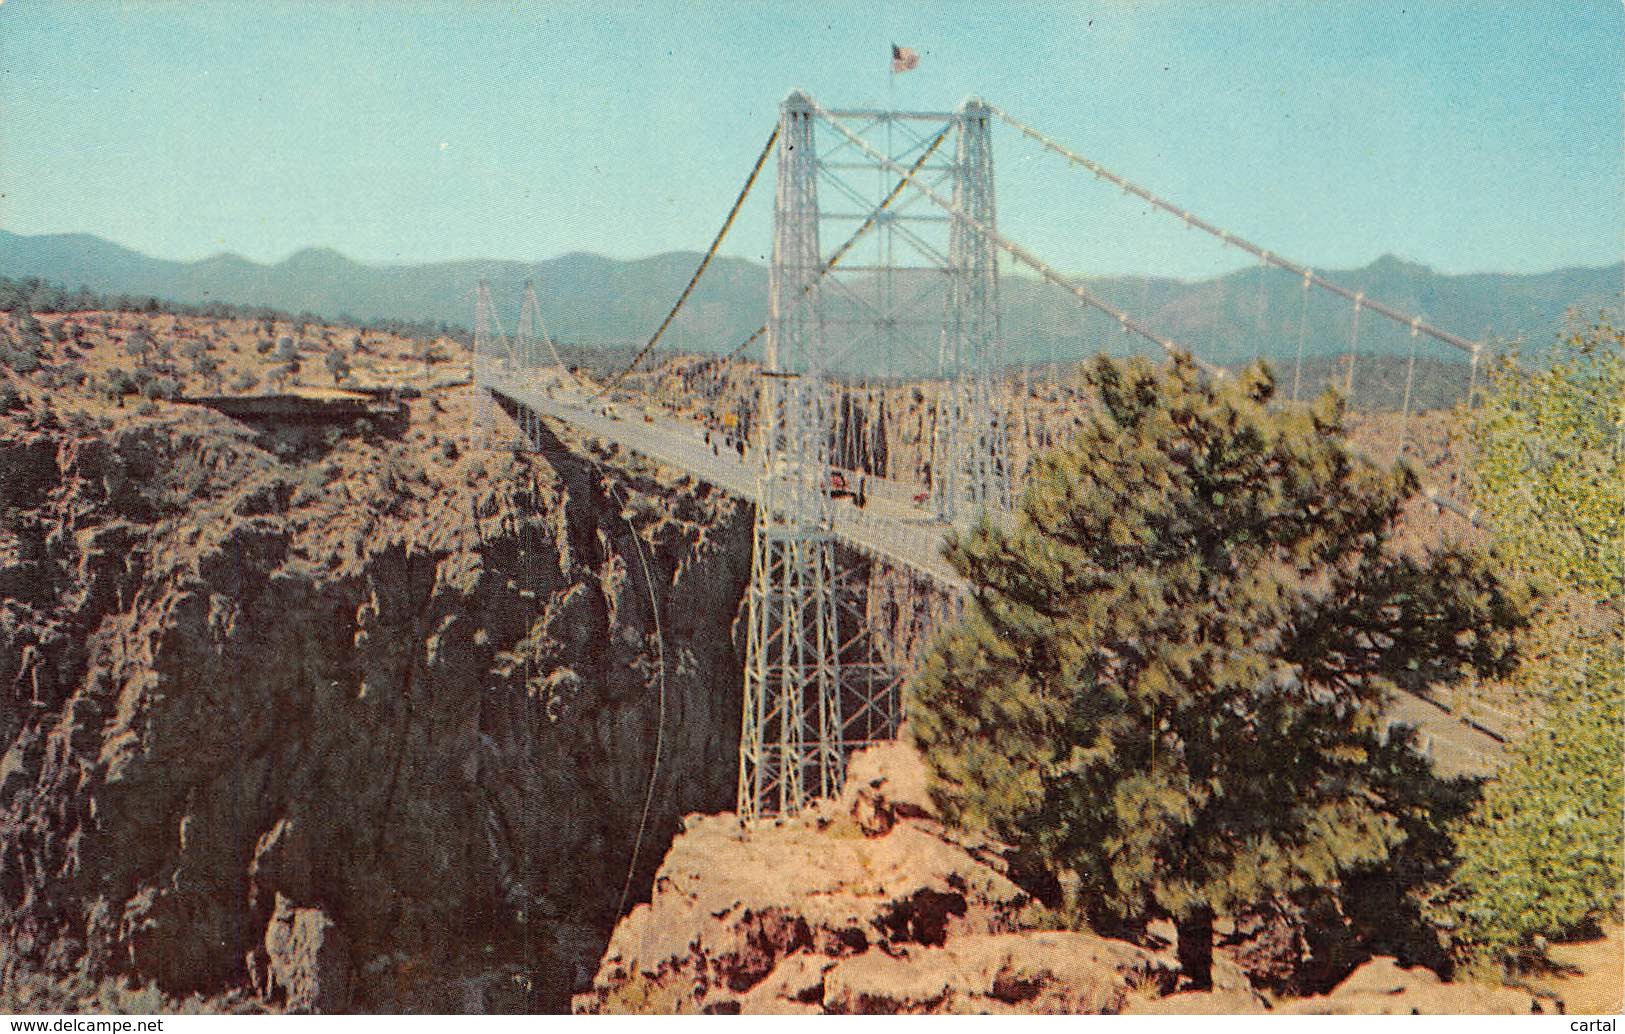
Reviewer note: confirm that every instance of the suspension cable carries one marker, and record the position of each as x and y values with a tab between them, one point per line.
1410	377
1190	219
1263	308
727	224
1303	332
1128	324
1354	350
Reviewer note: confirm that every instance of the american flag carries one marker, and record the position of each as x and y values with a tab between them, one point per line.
903	59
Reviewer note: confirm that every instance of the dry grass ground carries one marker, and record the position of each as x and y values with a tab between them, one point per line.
97	344
1594	979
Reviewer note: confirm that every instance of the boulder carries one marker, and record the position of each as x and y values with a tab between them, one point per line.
815	885
886	783
796	985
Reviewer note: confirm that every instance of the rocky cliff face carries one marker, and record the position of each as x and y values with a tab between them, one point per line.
371	728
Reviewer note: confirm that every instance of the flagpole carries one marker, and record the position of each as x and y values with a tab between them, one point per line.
891	86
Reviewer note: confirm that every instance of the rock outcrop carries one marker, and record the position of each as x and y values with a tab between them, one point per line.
307	961
365	729
867	904
870	905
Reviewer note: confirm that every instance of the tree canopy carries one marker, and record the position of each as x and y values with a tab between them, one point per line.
1171	680
1541	855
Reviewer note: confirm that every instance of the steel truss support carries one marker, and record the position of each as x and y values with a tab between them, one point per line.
813	690
971	464
491	353
816	684
870	322
498	358
529	338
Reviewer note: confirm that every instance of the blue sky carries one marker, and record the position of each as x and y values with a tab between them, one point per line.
1463	135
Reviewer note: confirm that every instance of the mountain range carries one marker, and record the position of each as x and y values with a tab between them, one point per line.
591	300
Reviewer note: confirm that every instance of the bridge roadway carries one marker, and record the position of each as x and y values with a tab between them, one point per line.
891	526
894	528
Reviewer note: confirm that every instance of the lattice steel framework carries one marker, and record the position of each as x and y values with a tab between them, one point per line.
789	737
530	357
928	296
815	687
492	352
527	359
972	449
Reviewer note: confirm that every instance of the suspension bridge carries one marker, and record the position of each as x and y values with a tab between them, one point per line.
917	271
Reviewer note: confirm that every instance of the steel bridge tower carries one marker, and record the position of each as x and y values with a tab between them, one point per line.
491	352
972	451
789	749
814	689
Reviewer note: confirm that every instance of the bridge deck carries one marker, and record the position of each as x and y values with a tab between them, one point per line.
893	528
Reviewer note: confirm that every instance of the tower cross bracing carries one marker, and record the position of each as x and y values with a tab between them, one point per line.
813	688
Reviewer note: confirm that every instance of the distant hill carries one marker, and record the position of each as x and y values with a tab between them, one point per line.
584	297
592	300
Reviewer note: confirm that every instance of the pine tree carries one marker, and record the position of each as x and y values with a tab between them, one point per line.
1170	683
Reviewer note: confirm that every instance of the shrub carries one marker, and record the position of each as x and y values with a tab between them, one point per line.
116	382
1540	854
283	373
209	369
159	387
337	364
30	335
1547	463
138	345
429	353
19	357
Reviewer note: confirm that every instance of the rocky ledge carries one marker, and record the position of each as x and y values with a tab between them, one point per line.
870	904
